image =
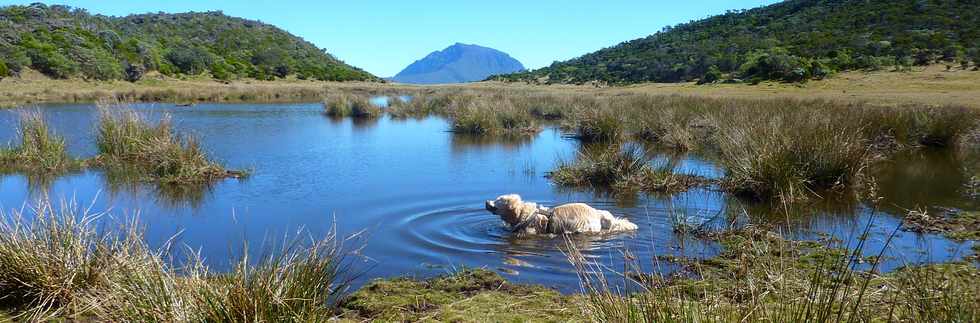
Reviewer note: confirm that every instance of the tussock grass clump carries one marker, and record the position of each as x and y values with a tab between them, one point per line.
594	124
910	126
483	117
943	126
418	106
40	150
127	141
681	123
550	107
616	169
346	105
58	265
789	154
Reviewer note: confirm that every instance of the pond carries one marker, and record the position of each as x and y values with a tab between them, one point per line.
417	193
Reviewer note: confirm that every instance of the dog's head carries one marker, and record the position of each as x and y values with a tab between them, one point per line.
509	207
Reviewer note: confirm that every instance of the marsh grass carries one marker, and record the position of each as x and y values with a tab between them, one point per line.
761	277
783	154
349	105
596	124
40	150
624	170
127	140
57	262
484	117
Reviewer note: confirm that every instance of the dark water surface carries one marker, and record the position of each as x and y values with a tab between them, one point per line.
418	191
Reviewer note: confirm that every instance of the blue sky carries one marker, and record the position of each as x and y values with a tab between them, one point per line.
383	37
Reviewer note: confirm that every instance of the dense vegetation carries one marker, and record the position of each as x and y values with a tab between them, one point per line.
64	42
793	41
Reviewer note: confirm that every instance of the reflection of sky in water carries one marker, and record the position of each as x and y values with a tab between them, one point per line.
418	191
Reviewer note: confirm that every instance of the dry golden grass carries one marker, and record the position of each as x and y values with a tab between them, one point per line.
931	85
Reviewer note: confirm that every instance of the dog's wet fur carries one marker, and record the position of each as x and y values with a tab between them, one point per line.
531	218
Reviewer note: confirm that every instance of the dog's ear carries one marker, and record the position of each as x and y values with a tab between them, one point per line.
512	200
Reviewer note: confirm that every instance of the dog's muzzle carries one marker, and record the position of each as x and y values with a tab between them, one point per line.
490	207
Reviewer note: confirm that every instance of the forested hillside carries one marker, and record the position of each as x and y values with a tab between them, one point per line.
793	41
64	42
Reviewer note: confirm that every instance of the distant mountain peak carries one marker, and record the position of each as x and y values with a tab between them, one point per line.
459	63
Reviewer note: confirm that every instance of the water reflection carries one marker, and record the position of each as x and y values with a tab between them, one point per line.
419	189
462	142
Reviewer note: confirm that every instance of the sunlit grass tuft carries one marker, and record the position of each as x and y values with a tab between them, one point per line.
126	140
59	263
40	150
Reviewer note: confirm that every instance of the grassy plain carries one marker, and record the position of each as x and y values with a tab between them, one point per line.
926	85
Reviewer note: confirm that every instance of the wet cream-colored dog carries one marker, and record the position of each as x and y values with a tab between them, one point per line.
531	218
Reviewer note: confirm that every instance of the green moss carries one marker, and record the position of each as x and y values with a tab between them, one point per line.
468	295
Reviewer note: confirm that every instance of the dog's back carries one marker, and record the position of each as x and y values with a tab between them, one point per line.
574	218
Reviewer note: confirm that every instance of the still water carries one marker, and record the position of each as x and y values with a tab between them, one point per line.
417	192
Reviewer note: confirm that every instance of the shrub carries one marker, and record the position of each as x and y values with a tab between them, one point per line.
712	75
4	70
192	60
102	66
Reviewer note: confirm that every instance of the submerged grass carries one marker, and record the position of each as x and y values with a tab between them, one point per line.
56	264
40	151
126	140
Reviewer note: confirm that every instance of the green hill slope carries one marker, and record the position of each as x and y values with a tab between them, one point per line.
64	42
793	40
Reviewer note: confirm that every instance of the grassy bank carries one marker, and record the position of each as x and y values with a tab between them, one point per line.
33	90
55	263
761	277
